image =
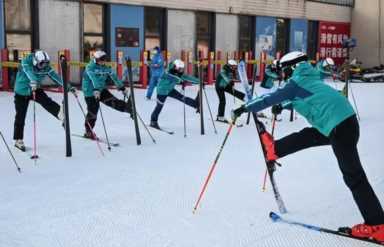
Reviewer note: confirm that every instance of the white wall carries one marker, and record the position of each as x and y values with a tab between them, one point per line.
327	12
227	32
366	29
59	29
181	31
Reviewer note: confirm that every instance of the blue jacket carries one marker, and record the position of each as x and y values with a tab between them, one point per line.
322	106
157	65
95	77
27	73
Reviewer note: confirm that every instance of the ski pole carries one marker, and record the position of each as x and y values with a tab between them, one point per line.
184	114
209	109
89	125
214	165
34	156
10	152
354	102
105	129
143	123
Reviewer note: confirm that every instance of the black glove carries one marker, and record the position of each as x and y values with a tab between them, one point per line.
277	109
124	90
237	112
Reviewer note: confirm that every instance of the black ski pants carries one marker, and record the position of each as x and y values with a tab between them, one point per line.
221	94
343	139
173	94
108	99
21	106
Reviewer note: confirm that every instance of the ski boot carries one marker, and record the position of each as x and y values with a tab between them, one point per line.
89	135
222	119
269	146
375	232
20	145
154	124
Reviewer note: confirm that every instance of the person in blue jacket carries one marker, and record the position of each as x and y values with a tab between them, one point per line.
94	87
32	70
333	123
157	70
166	87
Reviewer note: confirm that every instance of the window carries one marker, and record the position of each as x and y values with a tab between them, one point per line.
246	33
282	35
154	28
93	29
313	34
18	24
205	33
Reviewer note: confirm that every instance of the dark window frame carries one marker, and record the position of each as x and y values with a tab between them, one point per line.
287	38
252	27
210	36
104	29
34	29
162	27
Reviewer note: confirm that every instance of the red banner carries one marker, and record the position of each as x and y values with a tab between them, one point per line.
331	36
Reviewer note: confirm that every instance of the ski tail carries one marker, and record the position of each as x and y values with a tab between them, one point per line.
277	218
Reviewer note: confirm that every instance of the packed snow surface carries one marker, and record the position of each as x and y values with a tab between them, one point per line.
144	195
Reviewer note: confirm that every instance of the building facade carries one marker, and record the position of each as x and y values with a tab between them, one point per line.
199	26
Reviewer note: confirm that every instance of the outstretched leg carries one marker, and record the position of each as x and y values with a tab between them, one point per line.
189	101
110	100
306	138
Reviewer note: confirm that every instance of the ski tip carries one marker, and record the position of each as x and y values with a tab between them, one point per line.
19	170
274	216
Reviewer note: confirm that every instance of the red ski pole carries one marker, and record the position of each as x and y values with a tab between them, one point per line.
213	165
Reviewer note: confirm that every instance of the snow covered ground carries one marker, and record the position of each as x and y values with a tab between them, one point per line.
144	195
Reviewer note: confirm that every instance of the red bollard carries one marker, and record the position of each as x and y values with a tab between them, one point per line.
189	62
211	58
4	70
143	69
119	64
263	58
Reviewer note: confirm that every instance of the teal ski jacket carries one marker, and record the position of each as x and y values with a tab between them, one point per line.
95	77
28	73
322	106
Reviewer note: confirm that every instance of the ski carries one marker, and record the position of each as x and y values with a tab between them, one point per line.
261	129
133	104
169	132
342	233
227	122
113	144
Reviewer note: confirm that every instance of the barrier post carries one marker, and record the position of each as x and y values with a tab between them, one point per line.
263	58
317	56
211	58
4	70
190	63
143	69
119	64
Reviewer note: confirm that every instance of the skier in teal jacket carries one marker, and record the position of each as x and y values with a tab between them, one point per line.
94	86
166	87
334	123
225	84
31	72
325	67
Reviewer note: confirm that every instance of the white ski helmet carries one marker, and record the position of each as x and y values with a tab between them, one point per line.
328	62
100	55
178	64
292	59
232	62
40	59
